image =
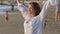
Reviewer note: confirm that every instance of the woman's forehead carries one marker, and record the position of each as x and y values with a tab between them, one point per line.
30	5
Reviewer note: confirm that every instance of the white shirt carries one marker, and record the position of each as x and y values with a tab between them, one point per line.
35	25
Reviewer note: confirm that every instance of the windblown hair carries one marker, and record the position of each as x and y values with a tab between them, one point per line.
35	8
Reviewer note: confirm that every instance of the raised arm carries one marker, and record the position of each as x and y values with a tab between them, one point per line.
44	10
46	7
22	8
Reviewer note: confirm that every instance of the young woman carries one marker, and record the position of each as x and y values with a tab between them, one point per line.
34	16
58	11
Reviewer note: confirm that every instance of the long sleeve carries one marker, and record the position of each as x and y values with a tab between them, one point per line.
46	7
23	9
44	10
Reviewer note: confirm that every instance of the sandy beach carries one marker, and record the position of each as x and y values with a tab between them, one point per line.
15	24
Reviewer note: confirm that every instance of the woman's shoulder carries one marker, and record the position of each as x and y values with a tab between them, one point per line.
36	18
35	21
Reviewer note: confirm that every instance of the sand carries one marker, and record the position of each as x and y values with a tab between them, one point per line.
15	24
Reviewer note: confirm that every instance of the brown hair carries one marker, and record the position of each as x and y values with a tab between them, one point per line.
35	8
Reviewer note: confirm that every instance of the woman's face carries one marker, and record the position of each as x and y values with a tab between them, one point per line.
30	10
30	7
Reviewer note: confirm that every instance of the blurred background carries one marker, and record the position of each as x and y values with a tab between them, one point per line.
15	19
